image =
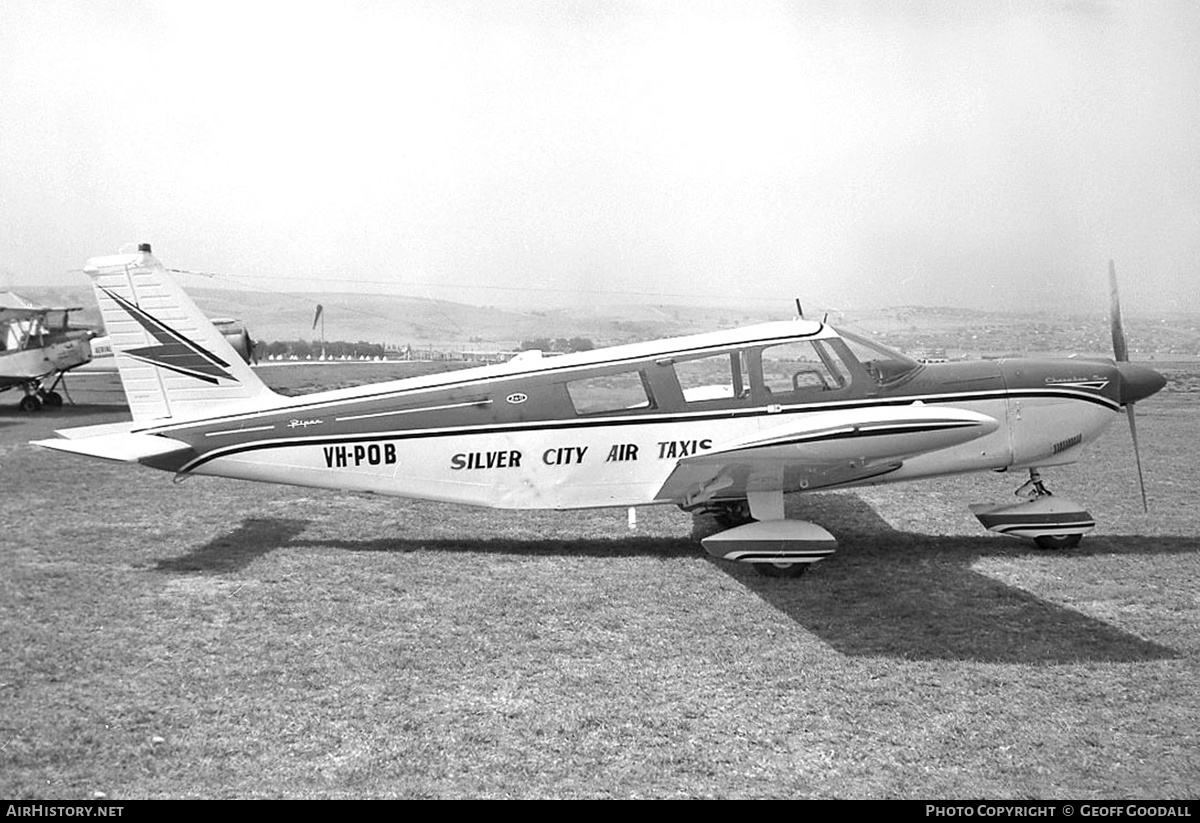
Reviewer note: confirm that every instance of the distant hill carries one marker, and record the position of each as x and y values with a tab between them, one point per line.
449	326
399	320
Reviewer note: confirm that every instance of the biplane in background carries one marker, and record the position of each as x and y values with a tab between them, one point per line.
725	423
37	347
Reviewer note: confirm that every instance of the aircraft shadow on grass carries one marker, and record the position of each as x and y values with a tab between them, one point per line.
887	593
254	538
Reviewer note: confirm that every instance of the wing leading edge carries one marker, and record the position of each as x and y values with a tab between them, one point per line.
821	449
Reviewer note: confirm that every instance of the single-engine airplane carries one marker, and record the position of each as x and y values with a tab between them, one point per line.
38	347
725	423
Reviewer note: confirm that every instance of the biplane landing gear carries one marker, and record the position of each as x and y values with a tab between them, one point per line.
1050	522
38	396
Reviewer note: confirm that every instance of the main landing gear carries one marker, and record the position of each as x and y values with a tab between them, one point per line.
1051	522
38	396
730	514
792	570
37	399
774	545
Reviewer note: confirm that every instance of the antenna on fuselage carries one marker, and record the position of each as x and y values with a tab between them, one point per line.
799	309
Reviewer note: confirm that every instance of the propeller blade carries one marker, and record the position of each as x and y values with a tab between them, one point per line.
1120	348
1136	381
1137	455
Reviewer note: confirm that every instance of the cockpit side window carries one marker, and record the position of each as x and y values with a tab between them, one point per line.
803	369
884	366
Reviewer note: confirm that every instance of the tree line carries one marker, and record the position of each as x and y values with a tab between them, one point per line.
337	349
562	345
311	349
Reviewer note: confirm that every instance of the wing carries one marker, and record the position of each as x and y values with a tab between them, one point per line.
15	307
821	449
11	313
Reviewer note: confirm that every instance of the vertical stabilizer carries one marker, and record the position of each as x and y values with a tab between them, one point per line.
173	362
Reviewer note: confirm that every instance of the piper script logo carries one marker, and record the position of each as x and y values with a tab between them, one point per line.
174	352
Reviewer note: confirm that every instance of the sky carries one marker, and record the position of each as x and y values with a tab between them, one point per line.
854	155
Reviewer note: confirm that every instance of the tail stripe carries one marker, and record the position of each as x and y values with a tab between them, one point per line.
174	352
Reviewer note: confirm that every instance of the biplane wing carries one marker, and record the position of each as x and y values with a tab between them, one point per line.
15	307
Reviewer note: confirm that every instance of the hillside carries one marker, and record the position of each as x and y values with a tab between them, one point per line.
399	320
449	326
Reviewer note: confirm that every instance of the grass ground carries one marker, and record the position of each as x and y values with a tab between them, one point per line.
217	639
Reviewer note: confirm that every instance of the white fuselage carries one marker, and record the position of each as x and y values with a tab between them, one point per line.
623	462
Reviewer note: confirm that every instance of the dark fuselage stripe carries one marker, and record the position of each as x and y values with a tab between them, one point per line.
524	428
679	417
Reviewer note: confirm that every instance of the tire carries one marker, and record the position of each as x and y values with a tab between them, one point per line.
781	569
1057	542
52	400
30	403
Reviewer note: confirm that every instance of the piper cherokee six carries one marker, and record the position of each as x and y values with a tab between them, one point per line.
725	423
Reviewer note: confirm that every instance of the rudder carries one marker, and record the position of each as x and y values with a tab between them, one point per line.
173	362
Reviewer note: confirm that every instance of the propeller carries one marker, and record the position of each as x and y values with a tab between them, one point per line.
1136	381
1120	348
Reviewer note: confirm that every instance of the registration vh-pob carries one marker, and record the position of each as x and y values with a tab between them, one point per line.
727	422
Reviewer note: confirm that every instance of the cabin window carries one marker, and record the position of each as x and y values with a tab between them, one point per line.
716	377
805	367
607	393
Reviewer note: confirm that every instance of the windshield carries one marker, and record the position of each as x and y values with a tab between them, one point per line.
883	364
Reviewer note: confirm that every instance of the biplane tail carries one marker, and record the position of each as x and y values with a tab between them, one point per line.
173	362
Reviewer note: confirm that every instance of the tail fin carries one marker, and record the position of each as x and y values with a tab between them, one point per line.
173	362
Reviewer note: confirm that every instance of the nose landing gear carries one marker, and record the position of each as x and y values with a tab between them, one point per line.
1051	522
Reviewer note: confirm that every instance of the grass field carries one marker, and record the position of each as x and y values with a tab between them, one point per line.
221	639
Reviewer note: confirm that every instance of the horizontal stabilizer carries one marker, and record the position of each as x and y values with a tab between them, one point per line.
84	432
123	446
